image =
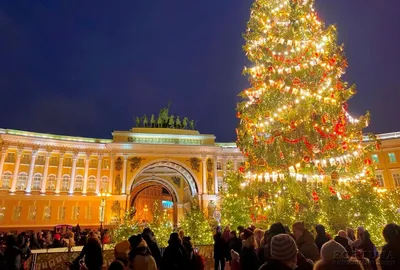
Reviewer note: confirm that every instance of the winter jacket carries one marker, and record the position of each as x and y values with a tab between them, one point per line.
390	256
307	246
12	258
154	248
93	255
234	244
220	247
275	265
249	259
174	258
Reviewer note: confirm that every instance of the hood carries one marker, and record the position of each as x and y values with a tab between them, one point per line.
306	238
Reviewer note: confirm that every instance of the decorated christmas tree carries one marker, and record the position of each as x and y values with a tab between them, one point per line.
195	225
127	227
161	225
306	156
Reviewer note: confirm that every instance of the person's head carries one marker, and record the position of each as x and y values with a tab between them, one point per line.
391	233
274	229
121	250
298	229
367	236
332	250
342	234
248	238
218	229
350	233
11	240
134	241
360	232
227	228
284	249
258	234
174	239
240	229
181	234
320	229
117	265
232	234
147	231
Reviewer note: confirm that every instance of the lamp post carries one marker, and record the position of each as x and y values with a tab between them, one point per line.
145	212
102	215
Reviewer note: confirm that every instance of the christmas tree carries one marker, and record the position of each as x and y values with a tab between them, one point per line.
306	156
127	227
195	225
161	225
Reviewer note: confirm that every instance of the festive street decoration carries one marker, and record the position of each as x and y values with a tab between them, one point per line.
127	227
161	224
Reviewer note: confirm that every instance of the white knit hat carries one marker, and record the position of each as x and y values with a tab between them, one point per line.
283	248
332	250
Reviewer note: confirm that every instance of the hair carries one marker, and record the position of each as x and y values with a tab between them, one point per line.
320	229
117	265
350	233
174	239
391	233
250	242
233	233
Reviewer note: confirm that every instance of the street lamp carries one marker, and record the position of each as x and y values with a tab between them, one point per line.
145	212
104	196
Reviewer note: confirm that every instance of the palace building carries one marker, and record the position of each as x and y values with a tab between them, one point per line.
48	180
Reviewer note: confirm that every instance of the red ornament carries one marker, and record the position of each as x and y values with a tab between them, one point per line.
238	114
296	81
293	125
281	155
241	169
307	159
367	161
332	61
345	146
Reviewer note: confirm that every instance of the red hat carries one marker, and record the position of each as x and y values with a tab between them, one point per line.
247	234
57	236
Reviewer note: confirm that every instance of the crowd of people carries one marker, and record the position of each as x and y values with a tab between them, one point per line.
280	248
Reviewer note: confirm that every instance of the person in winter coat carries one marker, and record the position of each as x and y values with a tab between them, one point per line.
334	257
91	252
226	234
234	244
12	258
283	253
369	249
220	250
174	256
342	239
235	260
321	237
140	255
390	256
305	242
152	244
248	256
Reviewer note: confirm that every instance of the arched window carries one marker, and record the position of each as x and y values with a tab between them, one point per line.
91	185
78	186
51	182
22	181
104	184
6	180
37	181
65	182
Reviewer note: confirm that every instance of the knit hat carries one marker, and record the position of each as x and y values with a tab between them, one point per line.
299	226
283	248
247	234
332	250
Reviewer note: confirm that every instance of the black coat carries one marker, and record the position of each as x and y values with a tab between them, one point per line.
249	259
93	255
12	259
174	258
390	256
220	247
154	249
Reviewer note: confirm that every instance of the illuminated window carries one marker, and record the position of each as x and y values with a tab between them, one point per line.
40	160
392	158
105	164
88	212
67	162
396	178
32	212
104	184
219	165
93	164
6	180
75	212
26	159
65	183
167	204
379	179
47	213
2	212
51	182
10	158
91	185
17	212
81	163
61	212
21	181
53	161
37	181
78	186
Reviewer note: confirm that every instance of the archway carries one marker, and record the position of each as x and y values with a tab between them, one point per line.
165	182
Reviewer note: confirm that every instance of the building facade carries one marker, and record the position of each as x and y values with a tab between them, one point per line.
48	180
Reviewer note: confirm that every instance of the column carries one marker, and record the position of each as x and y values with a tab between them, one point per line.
73	171
31	169
235	167
85	177
16	170
215	176
45	172
59	172
112	164
2	160
123	191
204	166
100	158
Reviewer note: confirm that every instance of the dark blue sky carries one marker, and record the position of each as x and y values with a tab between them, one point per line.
85	68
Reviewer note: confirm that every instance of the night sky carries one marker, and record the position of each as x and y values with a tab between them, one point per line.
85	68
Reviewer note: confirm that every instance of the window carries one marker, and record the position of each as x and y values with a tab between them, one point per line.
392	158
91	185
2	212
61	212
104	184
47	213
375	158
105	164
78	186
32	212
22	181
81	163
88	212
10	158
65	183
26	159
17	212
40	160
68	162
379	179
6	180
37	181
396	178
51	182
53	161
219	166
75	212
93	164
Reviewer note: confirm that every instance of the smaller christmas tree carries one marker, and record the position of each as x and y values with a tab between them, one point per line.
195	225
127	227
161	224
